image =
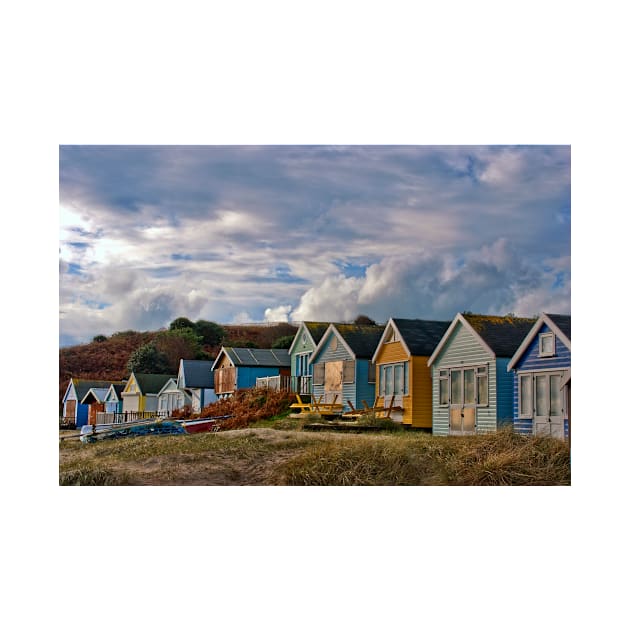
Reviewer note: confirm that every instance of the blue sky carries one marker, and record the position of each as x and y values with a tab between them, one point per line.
254	233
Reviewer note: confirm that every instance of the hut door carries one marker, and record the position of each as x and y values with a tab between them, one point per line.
462	408
333	381
303	373
548	405
71	409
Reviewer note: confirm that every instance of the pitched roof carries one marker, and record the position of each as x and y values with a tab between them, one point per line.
94	395
563	322
317	330
559	324
152	383
197	373
361	338
118	389
83	386
502	334
258	357
421	336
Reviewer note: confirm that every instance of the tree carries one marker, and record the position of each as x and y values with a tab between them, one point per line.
364	320
180	343
147	359
283	342
211	334
99	338
181	322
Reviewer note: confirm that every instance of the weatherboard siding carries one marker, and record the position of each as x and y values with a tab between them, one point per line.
505	395
301	347
420	393
394	352
246	376
531	362
357	391
462	349
364	390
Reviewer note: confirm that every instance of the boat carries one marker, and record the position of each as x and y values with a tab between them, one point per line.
202	425
151	426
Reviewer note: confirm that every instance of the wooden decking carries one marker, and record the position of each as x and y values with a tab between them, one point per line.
317	406
379	410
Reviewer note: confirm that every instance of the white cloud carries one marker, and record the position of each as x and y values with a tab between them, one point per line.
493	280
225	233
278	314
503	168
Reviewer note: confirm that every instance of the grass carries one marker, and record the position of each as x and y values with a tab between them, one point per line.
273	456
504	458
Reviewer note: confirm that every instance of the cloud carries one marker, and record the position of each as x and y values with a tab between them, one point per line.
278	314
247	229
494	279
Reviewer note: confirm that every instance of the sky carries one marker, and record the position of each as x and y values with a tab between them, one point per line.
238	234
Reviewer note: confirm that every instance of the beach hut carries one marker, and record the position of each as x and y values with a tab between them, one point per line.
197	380
238	368
141	392
401	368
171	397
74	411
308	335
472	390
95	400
541	369
113	398
342	366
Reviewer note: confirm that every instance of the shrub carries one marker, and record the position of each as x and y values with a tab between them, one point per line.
247	406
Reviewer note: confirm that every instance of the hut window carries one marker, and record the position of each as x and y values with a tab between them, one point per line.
482	386
394	379
318	373
546	345
469	387
456	387
443	386
391	336
348	372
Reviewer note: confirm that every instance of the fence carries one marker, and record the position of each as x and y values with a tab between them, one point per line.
128	416
274	382
302	385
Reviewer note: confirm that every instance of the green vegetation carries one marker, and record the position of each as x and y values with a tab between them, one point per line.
211	334
277	456
504	458
148	359
283	342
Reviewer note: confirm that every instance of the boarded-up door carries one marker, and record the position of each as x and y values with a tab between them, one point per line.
333	381
71	409
94	409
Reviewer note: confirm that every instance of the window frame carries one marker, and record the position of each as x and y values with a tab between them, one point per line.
347	364
543	336
382	381
479	371
444	375
321	368
529	415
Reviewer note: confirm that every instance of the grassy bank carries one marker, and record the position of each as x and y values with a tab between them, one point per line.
277	456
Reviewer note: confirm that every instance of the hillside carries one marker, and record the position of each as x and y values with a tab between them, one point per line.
107	359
